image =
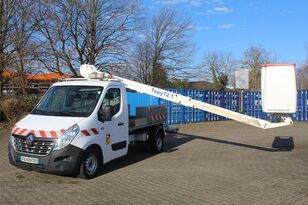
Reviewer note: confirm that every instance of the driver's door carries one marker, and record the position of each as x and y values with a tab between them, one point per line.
115	129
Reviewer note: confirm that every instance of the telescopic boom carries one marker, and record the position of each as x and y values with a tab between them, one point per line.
90	72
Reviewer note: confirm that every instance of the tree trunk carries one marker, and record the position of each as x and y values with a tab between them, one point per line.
23	84
1	87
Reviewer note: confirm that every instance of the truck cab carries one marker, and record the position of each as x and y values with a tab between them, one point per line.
76	127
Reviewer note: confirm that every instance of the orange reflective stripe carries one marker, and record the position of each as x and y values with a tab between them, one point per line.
94	131
53	134
22	131
85	132
15	130
42	133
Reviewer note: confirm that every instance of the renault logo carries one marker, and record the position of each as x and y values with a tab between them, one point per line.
30	140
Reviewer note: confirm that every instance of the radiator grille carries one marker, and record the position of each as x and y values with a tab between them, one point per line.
39	147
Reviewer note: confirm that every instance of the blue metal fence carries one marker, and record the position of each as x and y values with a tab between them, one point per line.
299	115
306	105
252	105
140	100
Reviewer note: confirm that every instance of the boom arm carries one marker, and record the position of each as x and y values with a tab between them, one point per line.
186	101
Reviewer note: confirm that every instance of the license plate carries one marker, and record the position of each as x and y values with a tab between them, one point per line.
30	160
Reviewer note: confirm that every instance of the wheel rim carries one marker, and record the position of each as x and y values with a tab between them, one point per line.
159	143
91	164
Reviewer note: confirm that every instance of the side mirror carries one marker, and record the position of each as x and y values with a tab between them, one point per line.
105	114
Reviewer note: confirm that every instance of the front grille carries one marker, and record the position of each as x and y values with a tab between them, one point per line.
40	147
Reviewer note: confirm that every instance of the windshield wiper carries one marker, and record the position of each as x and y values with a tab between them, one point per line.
56	113
69	113
37	111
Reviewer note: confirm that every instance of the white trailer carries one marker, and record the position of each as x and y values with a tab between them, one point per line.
81	124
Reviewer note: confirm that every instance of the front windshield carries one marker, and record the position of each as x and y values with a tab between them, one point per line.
75	101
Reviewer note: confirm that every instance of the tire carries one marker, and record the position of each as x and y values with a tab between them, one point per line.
90	165
157	140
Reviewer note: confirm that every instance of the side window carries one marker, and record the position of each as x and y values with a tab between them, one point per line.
112	99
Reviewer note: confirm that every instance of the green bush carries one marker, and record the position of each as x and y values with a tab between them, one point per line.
28	102
14	108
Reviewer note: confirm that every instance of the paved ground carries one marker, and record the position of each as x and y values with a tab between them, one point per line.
208	163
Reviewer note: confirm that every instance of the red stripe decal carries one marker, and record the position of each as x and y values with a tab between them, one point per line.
32	132
15	130
22	131
94	131
53	134
42	133
85	132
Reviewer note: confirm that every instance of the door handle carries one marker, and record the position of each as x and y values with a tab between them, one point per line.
120	123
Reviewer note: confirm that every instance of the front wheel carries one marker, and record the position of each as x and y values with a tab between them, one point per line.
90	164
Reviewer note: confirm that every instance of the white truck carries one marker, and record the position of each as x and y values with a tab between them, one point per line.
82	123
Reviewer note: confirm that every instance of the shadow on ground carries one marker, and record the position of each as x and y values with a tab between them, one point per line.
139	152
279	144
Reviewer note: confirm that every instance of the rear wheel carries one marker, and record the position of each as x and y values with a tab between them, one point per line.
90	164
157	140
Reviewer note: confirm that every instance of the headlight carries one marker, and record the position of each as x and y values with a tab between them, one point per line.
66	138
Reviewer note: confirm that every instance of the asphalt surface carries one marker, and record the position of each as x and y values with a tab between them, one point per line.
207	163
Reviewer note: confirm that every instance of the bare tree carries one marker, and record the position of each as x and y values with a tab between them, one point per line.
219	65
166	45
92	31
142	62
302	77
15	32
253	57
8	10
302	74
23	39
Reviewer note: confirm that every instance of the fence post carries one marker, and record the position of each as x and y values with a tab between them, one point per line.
241	101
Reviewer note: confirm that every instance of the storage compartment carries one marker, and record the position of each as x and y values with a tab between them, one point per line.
278	88
152	113
147	115
135	122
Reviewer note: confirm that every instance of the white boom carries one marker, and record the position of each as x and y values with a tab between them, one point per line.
186	101
91	72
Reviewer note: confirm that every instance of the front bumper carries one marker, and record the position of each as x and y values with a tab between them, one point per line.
65	161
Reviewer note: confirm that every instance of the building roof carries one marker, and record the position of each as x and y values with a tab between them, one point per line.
48	76
39	77
7	73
